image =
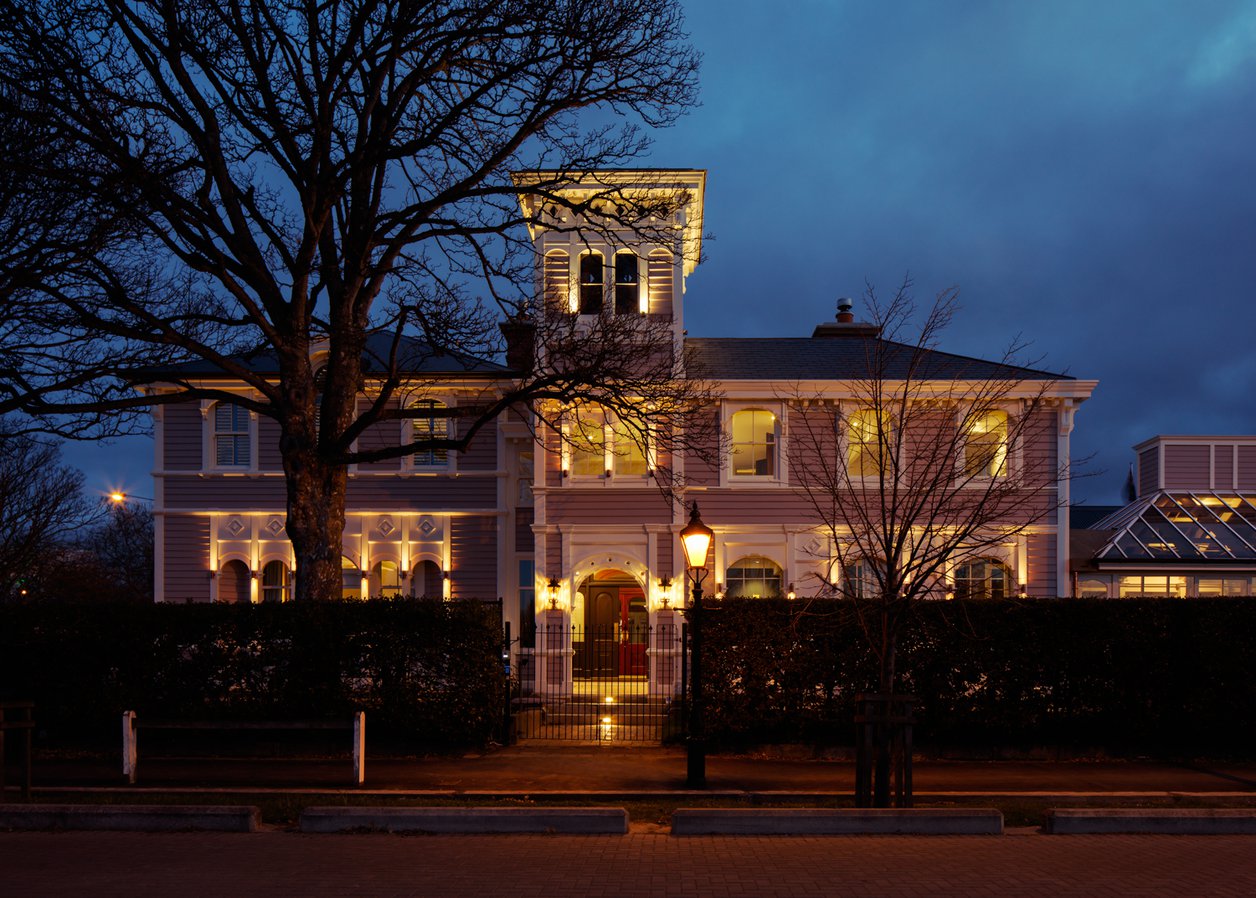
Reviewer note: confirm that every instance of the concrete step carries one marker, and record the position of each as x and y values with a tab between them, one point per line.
583	821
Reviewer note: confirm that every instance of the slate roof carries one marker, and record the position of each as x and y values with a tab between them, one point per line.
414	357
835	358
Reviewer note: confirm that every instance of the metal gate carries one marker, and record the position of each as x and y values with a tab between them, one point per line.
606	683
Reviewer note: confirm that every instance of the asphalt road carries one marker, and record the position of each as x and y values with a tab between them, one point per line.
646	864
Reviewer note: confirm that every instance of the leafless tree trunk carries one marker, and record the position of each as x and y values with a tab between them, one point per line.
925	463
228	178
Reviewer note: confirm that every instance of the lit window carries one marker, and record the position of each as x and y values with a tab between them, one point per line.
429	425
231	435
350	579
626	447
1135	585
1223	586
276	582
386	579
985	449
865	444
754	443
588	442
591	284
753	578
627	285
984	578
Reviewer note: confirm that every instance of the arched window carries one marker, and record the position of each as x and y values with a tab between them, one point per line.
557	279
985	445
276	582
386	579
983	578
591	284
865	443
231	435
428	580
1092	589
350	579
753	577
430	425
754	443
627	284
233	583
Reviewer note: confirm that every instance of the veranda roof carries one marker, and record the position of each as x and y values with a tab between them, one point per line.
1182	526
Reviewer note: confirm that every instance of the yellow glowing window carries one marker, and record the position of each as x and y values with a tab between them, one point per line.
754	443
985	449
587	434
865	447
627	448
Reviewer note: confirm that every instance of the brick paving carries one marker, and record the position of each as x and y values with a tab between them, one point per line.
642	864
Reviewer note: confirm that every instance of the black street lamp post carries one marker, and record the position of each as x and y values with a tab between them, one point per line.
696	538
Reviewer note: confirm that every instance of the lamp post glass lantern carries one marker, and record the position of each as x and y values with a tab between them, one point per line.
696	538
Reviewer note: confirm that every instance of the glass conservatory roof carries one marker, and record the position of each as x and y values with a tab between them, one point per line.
1172	526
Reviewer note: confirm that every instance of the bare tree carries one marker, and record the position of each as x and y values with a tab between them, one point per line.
929	463
274	176
41	507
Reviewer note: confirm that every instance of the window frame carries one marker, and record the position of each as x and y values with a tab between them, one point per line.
780	461
249	435
412	425
636	306
987	581
848	415
607	471
1010	455
285	586
738	564
591	288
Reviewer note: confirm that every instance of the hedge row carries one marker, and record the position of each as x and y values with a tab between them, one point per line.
428	673
1145	675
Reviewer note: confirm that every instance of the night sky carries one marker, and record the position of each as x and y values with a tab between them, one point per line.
1084	172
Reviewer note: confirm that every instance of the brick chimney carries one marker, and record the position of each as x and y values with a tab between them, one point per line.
520	334
845	325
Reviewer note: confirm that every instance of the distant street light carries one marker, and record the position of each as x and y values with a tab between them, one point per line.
696	541
117	497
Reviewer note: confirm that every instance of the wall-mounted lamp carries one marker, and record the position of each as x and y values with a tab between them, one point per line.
719	590
1024	591
665	584
950	591
791	595
213	574
256	575
552	588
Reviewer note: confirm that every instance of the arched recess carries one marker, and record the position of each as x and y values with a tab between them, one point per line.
659	269
428	579
350	579
610	626
276	582
385	579
233	582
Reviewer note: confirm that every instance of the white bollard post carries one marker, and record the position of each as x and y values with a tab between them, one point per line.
359	747
130	754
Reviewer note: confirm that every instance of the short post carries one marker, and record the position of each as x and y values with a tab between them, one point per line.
359	747
130	753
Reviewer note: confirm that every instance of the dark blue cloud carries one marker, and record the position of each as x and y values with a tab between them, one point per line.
1086	173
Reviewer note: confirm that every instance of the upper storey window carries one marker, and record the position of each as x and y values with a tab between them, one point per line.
627	284
431	424
985	448
588	437
591	284
864	443
754	443
231	435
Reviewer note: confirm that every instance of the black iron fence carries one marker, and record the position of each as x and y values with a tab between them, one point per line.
612	683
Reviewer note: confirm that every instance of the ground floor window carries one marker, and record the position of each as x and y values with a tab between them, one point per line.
276	582
1207	587
350	579
984	578
753	577
1092	589
1138	585
386	579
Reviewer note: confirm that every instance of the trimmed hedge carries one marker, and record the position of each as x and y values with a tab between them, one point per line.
1166	676
428	673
